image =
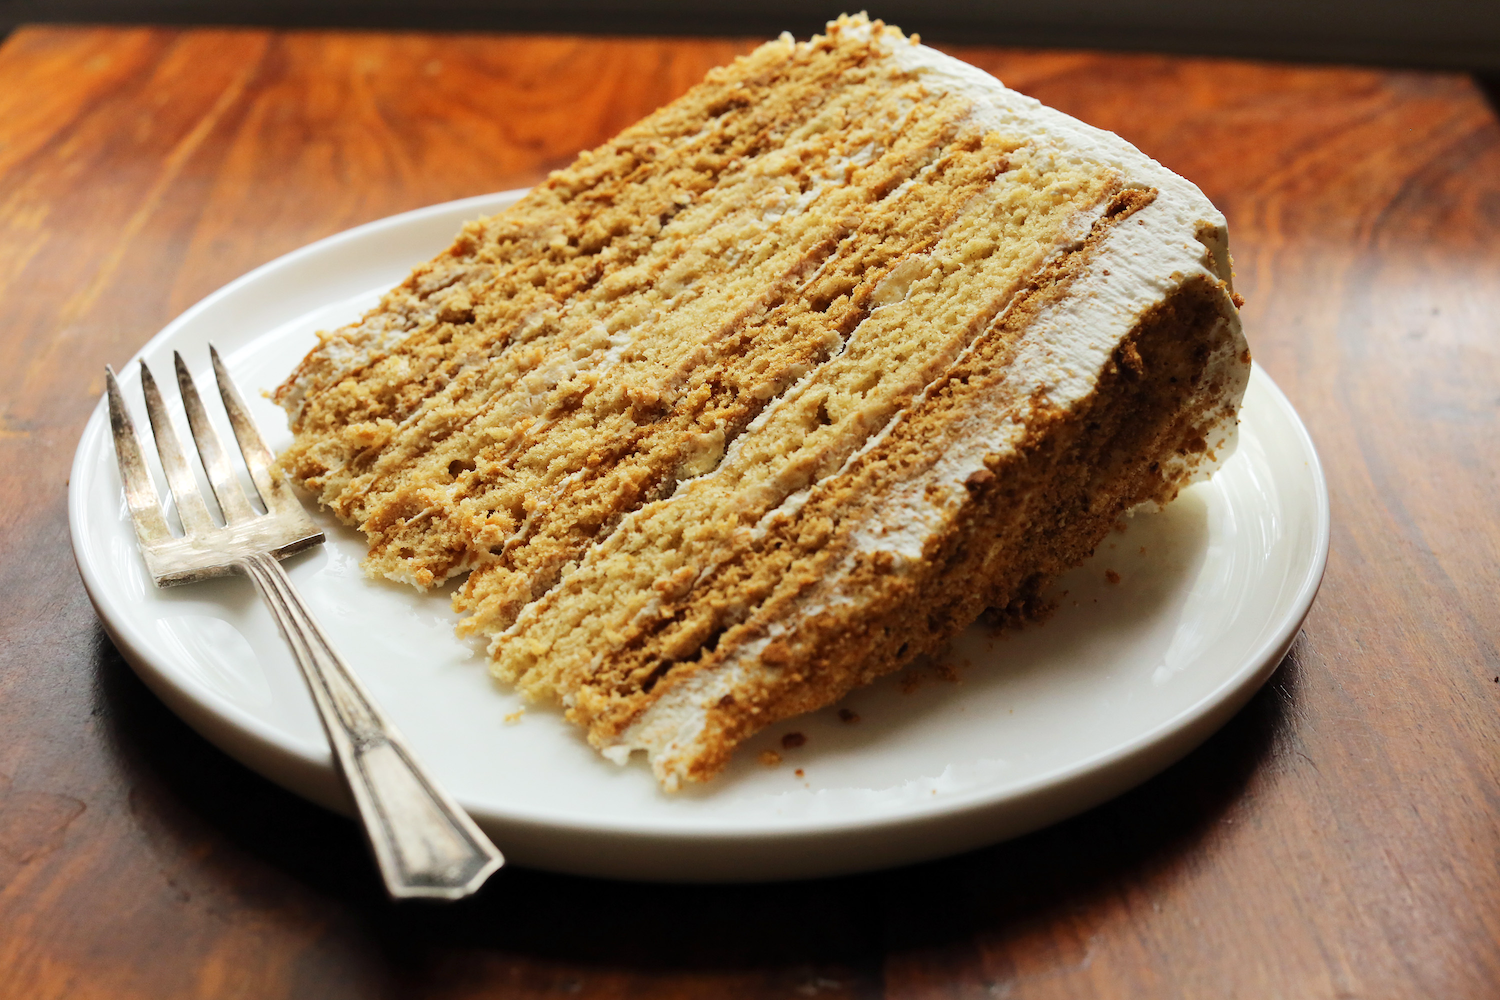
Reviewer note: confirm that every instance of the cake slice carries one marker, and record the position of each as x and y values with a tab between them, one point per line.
779	389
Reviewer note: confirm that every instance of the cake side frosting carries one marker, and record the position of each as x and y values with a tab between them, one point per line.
1156	255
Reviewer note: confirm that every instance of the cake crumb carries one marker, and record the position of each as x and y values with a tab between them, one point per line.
1023	611
798	772
911	680
792	741
848	715
514	717
1111	576
1143	550
770	758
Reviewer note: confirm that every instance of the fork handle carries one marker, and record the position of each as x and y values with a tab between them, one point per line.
423	842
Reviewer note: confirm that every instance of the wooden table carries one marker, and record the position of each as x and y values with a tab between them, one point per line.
1339	838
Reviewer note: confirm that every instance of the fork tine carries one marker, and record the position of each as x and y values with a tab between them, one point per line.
140	492
190	505
257	456
221	475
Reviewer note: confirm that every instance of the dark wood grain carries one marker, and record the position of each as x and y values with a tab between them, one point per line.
1339	838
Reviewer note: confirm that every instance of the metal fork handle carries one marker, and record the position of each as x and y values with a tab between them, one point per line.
424	843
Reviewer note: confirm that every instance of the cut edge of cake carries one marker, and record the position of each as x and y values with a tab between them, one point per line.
1153	254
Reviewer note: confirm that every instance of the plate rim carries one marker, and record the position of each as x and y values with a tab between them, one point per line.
252	742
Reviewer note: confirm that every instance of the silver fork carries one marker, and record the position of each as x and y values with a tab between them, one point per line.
423	842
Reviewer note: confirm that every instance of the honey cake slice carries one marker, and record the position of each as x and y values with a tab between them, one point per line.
779	389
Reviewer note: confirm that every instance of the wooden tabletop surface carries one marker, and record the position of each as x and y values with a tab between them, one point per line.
1340	838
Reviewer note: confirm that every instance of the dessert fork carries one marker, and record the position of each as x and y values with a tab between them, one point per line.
423	842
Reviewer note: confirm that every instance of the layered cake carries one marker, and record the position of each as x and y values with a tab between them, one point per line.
779	389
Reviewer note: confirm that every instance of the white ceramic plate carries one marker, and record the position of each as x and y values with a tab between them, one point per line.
1125	679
